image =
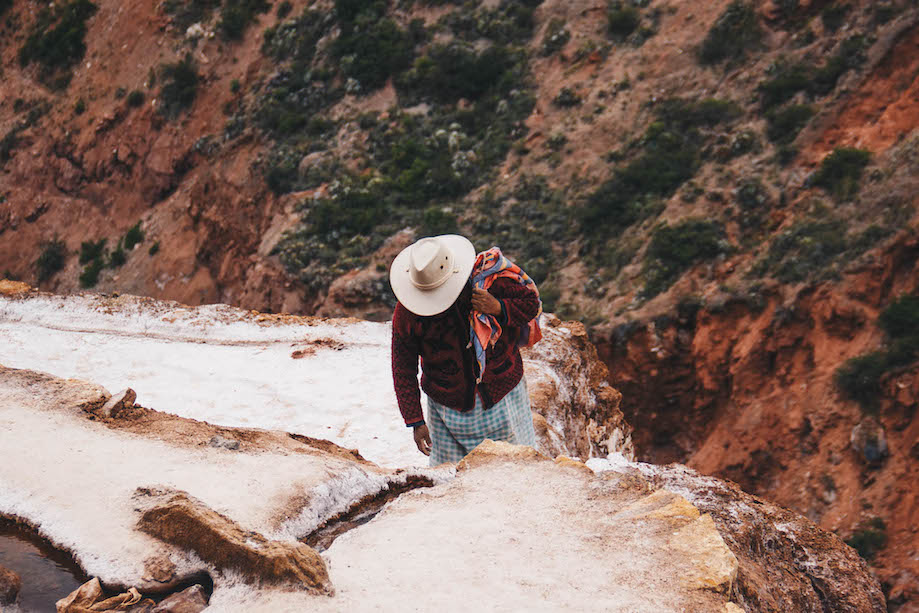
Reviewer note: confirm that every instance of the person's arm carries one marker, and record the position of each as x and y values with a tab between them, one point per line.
519	304
405	352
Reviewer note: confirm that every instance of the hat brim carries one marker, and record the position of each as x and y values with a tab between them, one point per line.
438	300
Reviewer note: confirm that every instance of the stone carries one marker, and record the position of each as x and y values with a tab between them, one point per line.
566	462
118	402
10	584
180	520
222	442
191	600
712	566
13	288
498	451
869	441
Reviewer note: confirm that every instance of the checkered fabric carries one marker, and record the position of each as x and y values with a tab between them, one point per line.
456	433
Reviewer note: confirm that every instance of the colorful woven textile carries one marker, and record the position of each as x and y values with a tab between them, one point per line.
485	329
455	433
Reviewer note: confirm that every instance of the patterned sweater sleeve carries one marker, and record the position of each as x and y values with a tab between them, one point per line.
405	352
520	303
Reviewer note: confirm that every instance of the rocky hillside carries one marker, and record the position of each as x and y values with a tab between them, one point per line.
724	192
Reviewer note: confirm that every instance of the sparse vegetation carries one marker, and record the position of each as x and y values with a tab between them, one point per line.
674	249
92	250
136	98
869	538
734	34
79	107
669	156
236	15
622	19
784	123
557	36
133	237
51	260
567	98
371	47
841	170
449	72
834	15
180	86
284	9
187	12
56	40
860	378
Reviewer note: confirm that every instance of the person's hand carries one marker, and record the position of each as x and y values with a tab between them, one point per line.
483	302
423	439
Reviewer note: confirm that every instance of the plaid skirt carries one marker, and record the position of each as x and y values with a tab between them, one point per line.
456	433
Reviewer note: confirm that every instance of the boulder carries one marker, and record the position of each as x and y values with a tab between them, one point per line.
190	600
179	519
118	402
10	584
869	441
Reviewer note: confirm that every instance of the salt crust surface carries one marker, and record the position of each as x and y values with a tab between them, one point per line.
217	364
222	365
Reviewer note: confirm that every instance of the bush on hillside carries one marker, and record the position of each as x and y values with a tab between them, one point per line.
869	538
180	86
57	38
622	19
784	123
734	34
133	237
452	71
236	15
859	378
51	260
373	52
92	250
841	170
901	317
834	15
674	249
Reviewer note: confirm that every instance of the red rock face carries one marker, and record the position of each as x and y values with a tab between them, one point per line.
748	395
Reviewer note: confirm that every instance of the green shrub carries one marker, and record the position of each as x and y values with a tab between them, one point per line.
90	275
804	251
4	5
56	40
834	15
296	38
373	52
51	260
117	257
622	19
136	98
859	378
508	23
787	80
154	248
674	249
452	71
92	250
784	123
901	317
557	36
79	107
284	9
180	85
234	86
733	35
869	539
436	220
669	157
133	237
841	170
567	98
236	15
187	12
851	54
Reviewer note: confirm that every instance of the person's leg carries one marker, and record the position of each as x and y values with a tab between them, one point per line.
444	446
520	414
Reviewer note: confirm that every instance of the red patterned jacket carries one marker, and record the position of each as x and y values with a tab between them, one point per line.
448	364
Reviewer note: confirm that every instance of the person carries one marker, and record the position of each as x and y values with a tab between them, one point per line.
464	315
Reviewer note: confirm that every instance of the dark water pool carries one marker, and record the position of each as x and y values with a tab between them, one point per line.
47	574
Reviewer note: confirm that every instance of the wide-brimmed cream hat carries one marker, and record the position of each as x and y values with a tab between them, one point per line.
429	275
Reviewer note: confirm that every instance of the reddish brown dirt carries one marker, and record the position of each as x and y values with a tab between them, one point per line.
748	395
885	107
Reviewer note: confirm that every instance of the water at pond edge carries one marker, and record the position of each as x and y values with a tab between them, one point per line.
47	574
